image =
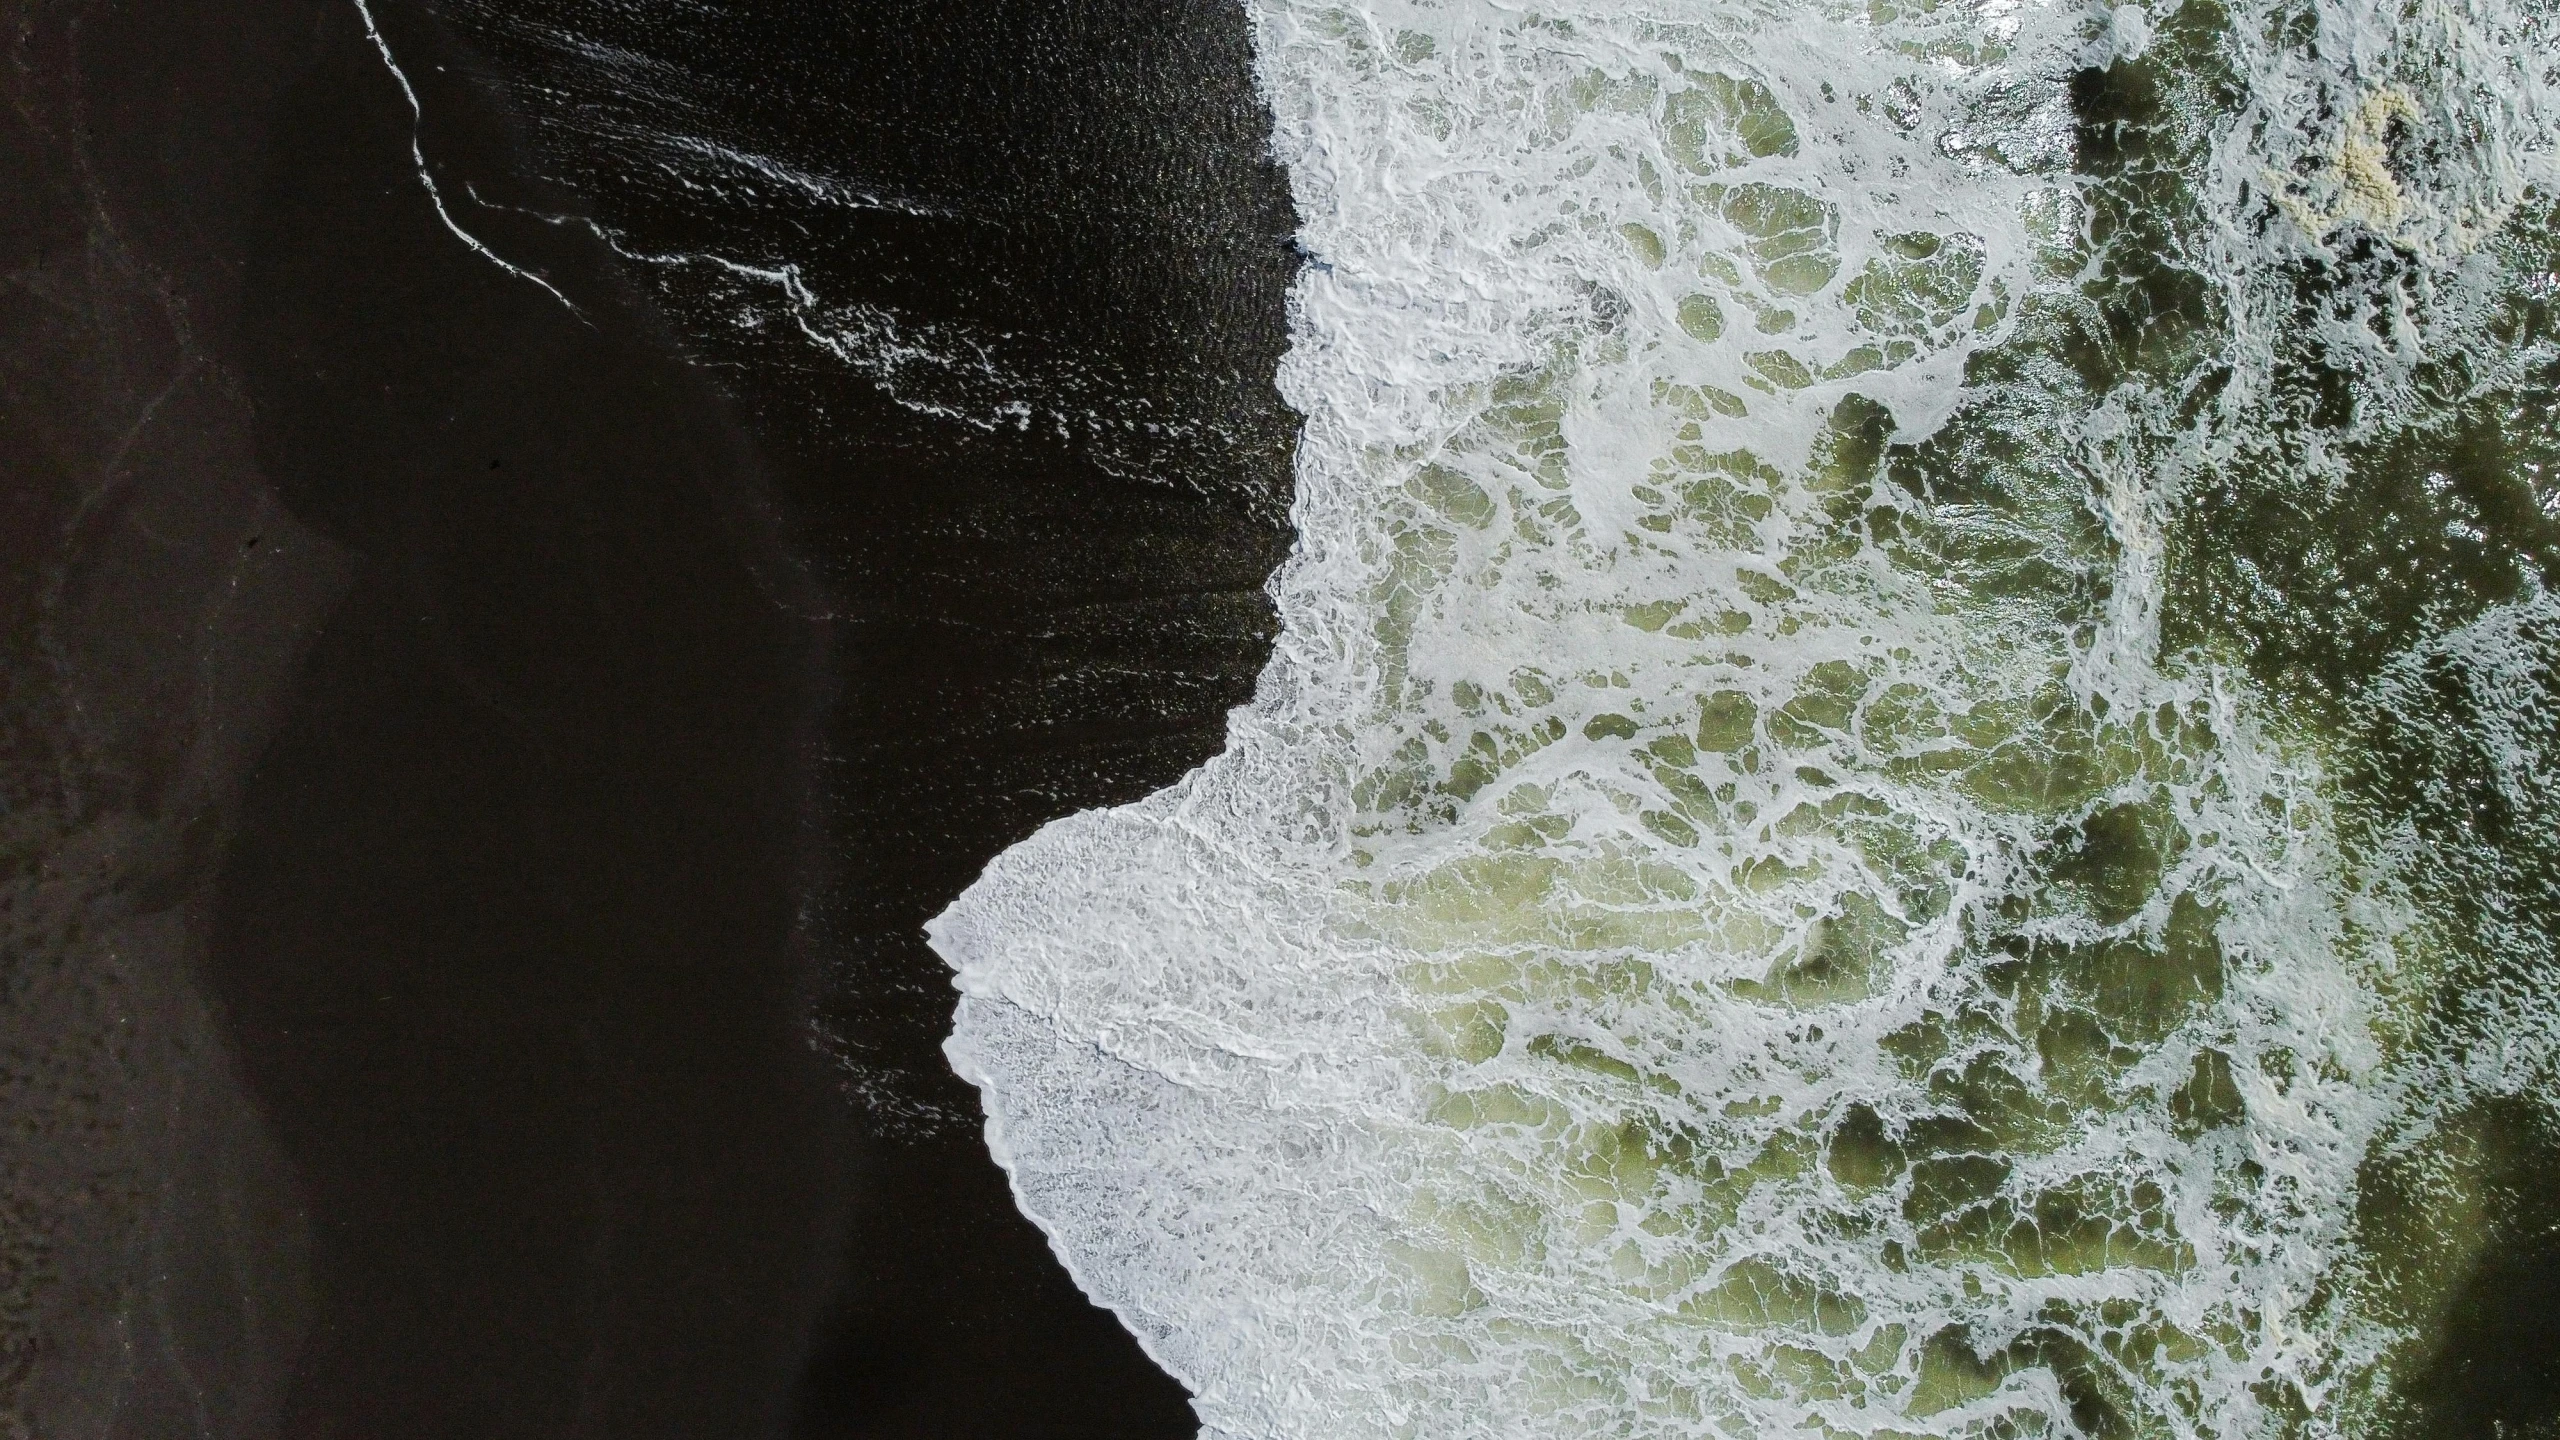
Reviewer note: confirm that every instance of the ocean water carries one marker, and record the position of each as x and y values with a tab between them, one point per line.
1006	355
1907	786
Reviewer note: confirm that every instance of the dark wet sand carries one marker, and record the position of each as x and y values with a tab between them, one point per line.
481	778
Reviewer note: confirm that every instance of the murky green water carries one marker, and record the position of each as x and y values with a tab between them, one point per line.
1906	789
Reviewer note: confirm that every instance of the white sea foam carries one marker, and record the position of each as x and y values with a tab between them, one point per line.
1699	934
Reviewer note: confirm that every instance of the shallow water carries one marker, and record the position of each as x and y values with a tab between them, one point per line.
1905	790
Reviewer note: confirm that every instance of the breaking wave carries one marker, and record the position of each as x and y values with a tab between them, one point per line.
1906	790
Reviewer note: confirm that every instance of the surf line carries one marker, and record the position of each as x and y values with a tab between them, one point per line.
435	197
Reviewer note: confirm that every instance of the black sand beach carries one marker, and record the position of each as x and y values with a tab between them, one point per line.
477	768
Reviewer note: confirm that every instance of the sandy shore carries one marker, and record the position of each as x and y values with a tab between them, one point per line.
473	784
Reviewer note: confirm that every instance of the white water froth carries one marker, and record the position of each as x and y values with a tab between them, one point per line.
426	174
1693	937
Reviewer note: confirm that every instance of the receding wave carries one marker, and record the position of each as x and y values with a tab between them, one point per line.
1907	789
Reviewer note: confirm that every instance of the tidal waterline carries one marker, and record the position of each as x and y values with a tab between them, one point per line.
1904	787
481	764
997	290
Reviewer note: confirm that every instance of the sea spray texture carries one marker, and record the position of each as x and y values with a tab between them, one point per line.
1906	790
1071	261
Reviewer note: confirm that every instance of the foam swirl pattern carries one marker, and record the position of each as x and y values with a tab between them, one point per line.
1904	789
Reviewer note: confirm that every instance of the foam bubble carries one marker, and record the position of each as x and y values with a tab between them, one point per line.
1755	897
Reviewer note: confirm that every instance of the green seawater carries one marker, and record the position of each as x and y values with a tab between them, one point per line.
1923	805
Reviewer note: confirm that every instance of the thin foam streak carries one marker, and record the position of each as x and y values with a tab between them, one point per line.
435	197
